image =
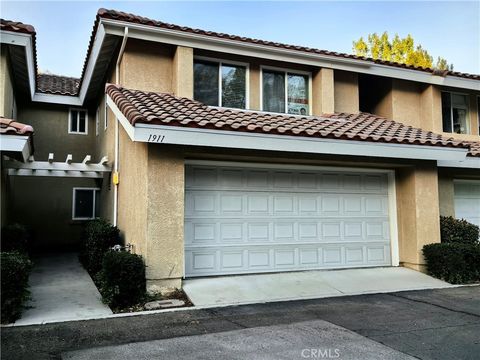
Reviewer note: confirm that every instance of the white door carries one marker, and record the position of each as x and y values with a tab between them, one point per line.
254	219
467	200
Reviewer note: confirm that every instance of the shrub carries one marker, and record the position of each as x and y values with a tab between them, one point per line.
15	269
458	231
122	279
14	238
453	262
100	236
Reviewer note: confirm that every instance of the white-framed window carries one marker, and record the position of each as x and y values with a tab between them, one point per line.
105	117
78	121
220	83
286	91
86	203
455	113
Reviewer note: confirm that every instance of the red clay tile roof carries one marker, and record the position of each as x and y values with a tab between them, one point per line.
11	127
127	17
57	84
166	109
474	148
16	26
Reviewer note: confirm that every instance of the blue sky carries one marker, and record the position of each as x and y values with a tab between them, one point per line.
449	29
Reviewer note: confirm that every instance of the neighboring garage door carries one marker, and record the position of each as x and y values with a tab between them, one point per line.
467	200
253	219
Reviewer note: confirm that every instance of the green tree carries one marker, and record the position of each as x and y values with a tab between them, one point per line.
400	50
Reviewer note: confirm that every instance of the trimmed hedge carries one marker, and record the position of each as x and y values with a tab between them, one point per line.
122	279
15	237
15	270
100	237
453	262
458	231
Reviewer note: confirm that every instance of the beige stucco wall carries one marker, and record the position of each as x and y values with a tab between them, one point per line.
165	249
323	94
346	92
132	192
418	212
50	123
446	195
147	66
182	77
7	97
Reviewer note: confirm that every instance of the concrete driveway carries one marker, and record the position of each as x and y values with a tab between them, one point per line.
427	324
258	288
61	290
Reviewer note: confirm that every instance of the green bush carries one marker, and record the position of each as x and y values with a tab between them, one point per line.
122	279
458	231
15	269
455	263
14	238
99	236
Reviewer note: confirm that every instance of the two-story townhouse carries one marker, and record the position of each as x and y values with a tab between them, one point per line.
232	155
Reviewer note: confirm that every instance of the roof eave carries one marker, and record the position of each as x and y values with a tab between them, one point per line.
212	43
254	141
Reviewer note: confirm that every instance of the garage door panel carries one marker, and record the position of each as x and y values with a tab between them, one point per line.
256	220
467	201
252	259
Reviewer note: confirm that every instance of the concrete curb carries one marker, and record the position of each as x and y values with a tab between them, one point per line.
195	308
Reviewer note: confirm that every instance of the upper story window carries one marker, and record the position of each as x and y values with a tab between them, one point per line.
78	122
220	83
286	92
455	113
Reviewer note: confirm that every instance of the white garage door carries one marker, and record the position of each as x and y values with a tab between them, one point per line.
250	220
467	201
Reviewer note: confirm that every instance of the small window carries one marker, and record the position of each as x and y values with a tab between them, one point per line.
96	123
78	122
85	203
220	84
455	113
285	92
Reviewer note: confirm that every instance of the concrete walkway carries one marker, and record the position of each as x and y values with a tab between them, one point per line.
249	289
311	339
61	290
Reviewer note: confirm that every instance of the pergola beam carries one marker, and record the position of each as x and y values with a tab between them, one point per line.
69	159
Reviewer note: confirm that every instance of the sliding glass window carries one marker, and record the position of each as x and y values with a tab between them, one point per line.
220	84
285	92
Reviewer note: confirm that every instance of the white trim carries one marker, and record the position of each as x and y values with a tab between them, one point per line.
221	62
16	143
254	141
56	173
286	72
74	198
91	61
469	162
57	99
212	43
78	110
391	191
58	166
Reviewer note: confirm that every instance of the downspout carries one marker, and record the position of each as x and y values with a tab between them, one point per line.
115	165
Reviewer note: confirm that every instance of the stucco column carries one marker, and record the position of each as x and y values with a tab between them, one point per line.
418	213
431	109
182	80
165	217
446	195
323	99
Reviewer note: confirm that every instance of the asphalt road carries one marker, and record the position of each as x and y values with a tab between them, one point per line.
427	324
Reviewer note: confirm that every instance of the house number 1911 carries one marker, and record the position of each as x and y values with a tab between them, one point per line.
155	138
